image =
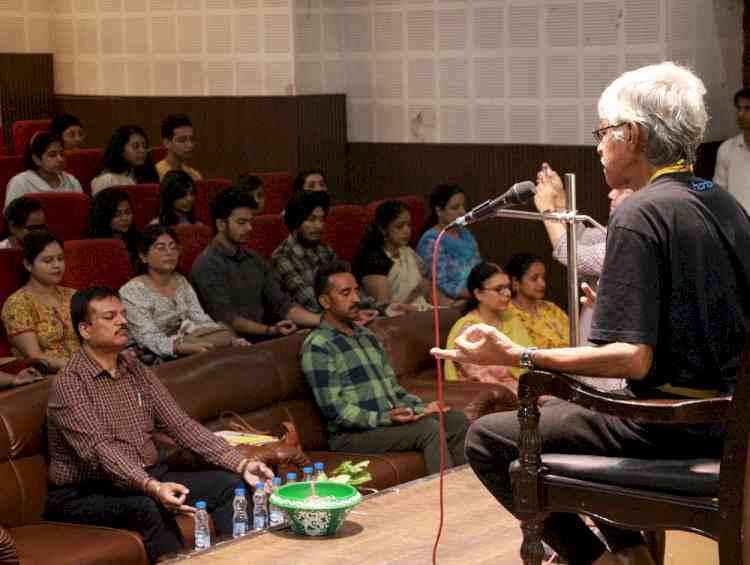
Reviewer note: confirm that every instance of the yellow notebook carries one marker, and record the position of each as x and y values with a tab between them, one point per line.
245	438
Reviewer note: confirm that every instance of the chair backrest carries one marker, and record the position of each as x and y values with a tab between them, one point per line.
67	213
157	153
3	145
206	190
278	188
417	209
96	262
10	166
84	164
268	233
12	276
144	199
22	130
345	227
193	239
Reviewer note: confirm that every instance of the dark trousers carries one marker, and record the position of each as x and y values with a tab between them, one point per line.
102	504
422	435
492	445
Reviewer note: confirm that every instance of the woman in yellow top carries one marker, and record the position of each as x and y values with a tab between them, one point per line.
489	288
37	316
545	322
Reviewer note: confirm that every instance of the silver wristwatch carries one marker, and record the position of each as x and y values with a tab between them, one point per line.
526	361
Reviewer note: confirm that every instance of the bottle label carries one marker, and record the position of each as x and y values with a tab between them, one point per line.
259	522
239	529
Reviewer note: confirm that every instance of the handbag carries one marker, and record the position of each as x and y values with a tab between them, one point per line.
218	336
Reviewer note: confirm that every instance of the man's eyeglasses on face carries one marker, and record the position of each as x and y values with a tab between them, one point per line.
600	133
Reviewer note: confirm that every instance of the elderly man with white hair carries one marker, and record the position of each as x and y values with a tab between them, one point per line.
673	299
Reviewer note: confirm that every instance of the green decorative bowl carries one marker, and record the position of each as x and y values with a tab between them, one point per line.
316	518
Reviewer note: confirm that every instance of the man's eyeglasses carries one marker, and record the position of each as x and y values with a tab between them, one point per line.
601	132
499	289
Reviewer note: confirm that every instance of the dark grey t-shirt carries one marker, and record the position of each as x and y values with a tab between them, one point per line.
238	284
676	276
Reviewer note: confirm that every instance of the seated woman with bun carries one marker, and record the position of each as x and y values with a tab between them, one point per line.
490	288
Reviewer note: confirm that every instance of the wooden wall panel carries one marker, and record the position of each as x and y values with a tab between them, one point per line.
26	89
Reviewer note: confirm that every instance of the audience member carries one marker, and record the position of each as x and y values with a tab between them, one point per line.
37	316
177	132
69	129
235	284
255	186
389	270
22	215
365	408
313	180
545	322
164	315
733	159
126	160
671	311
176	200
103	410
111	217
44	165
490	293
298	258
459	252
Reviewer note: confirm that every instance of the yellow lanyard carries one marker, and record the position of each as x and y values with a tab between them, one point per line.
679	167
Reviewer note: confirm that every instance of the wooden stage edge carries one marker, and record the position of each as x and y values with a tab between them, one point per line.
397	526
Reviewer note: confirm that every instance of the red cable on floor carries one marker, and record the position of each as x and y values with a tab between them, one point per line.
441	416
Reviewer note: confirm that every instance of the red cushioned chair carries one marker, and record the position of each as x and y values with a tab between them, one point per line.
84	164
96	262
157	153
9	167
67	213
416	207
145	201
345	227
207	189
22	130
278	188
193	239
268	233
12	275
3	146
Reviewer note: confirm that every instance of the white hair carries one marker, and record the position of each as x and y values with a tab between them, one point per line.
667	101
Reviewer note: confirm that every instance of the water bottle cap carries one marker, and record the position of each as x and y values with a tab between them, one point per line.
319	465
291	476
276	481
239	491
200	505
259	486
307	470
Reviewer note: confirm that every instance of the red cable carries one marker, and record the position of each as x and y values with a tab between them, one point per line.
441	415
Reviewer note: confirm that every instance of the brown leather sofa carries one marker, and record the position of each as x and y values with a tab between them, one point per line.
263	384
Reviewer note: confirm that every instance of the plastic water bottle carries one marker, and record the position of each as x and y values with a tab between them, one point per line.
307	474
291	478
202	531
239	519
260	511
275	514
319	471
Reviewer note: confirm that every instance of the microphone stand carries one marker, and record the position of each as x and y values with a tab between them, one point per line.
570	218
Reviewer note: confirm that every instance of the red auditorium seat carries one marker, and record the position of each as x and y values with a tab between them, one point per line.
67	213
11	279
84	164
194	239
345	227
22	130
10	166
416	206
206	190
278	188
157	153
268	233
3	145
96	262
145	201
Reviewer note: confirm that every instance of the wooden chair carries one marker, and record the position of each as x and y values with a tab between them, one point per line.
704	496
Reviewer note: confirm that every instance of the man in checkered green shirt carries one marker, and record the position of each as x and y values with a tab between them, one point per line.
366	410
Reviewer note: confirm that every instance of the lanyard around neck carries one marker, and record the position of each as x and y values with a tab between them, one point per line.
678	167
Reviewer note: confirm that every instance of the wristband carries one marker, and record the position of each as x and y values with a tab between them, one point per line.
526	361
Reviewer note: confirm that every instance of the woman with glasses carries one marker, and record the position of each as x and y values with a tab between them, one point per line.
489	288
545	322
23	215
164	314
126	160
111	217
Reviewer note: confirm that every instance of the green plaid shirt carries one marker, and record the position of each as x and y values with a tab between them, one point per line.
353	382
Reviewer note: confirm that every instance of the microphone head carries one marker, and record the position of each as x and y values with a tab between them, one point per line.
521	192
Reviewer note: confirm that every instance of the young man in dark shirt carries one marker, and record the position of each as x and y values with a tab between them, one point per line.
673	299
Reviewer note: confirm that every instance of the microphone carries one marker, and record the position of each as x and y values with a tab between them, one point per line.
517	194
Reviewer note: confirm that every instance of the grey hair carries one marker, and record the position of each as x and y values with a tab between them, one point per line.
667	101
